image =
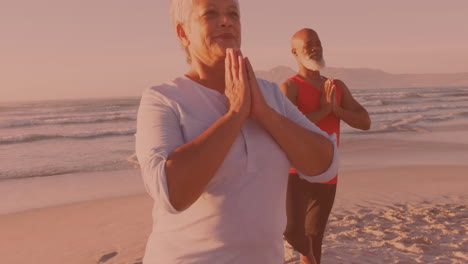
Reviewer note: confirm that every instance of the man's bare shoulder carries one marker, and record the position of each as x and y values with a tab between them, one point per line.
341	84
290	89
289	85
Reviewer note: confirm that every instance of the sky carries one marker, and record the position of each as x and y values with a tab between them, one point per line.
54	49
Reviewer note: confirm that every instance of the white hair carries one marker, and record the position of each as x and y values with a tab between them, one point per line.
180	11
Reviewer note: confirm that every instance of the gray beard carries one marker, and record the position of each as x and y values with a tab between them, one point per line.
311	64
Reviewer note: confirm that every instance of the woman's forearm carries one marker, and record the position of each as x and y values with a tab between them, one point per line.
309	152
190	167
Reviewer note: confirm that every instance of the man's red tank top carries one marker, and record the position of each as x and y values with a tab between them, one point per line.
308	100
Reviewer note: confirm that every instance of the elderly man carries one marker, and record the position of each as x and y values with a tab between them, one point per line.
325	102
215	146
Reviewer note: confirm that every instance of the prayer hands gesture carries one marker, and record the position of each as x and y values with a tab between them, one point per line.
328	101
237	88
242	90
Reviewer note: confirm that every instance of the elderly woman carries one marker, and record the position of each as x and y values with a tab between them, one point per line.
215	147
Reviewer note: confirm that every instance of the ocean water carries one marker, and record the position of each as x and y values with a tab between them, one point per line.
49	138
411	109
60	137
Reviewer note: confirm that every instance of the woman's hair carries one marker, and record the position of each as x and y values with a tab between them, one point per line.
179	12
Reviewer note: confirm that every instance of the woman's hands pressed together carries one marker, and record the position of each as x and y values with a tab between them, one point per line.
242	89
237	88
258	106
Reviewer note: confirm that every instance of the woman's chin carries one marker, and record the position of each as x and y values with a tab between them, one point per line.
220	51
228	45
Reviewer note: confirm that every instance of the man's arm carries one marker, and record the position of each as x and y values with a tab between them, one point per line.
290	89
309	149
350	111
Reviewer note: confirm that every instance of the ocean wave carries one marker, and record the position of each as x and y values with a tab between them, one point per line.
407	121
66	121
84	135
7	108
407	124
459	94
383	96
413	95
446	117
37	173
446	100
133	161
133	103
69	108
397	96
416	123
390	129
415	109
57	171
378	102
401	95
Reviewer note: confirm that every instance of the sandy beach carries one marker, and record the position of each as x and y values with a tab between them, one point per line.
401	199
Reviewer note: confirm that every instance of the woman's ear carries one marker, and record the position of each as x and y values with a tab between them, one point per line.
182	34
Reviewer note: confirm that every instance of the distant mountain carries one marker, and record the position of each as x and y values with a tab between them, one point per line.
362	78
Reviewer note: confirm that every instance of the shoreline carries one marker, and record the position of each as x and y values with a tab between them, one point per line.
445	145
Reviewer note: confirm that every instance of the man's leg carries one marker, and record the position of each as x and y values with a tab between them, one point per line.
309	259
296	206
320	206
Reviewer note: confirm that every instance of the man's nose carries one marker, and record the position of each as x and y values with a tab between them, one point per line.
226	21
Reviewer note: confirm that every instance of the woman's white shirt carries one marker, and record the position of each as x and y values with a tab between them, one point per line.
241	215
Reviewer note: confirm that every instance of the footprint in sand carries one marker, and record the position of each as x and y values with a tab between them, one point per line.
106	257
